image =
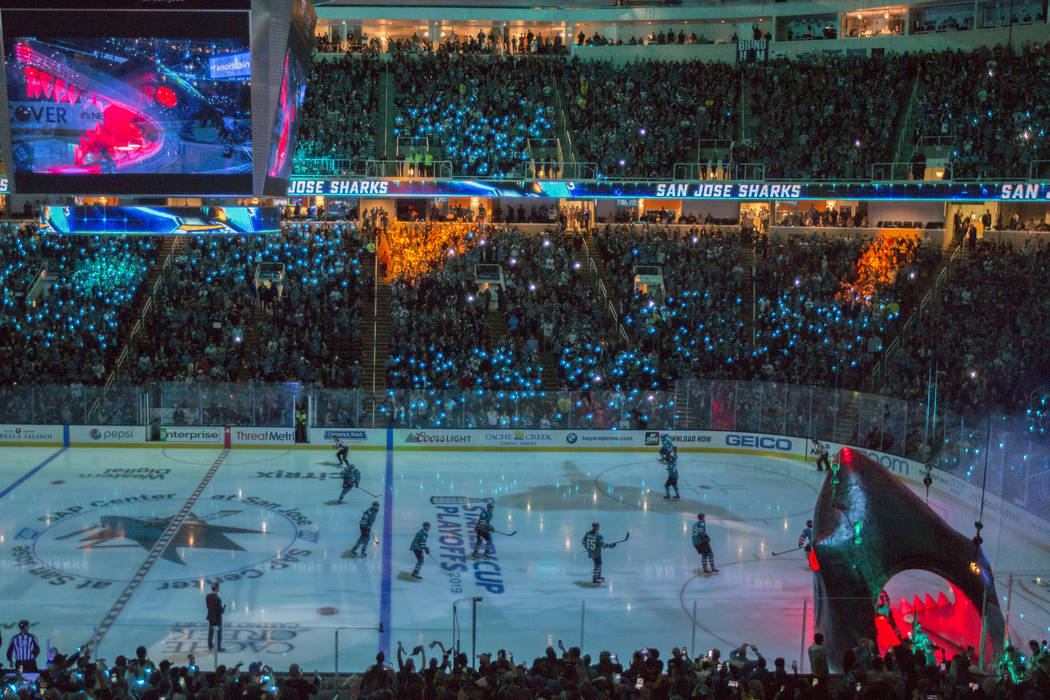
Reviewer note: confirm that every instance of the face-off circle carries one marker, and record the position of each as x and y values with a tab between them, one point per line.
110	540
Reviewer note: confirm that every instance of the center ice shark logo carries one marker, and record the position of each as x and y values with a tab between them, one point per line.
195	533
222	536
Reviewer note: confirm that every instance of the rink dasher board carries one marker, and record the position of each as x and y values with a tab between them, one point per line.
526	440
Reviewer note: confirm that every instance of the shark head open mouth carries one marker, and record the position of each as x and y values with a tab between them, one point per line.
869	526
129	129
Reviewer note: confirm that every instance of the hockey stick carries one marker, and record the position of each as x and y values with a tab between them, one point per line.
625	538
508	534
788	551
447	573
368	492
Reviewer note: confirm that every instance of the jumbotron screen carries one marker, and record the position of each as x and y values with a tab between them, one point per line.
129	102
289	100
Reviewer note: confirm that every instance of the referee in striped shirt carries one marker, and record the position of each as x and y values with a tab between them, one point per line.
23	649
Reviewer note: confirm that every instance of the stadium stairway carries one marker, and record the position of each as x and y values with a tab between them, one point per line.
745	107
747	298
496	325
251	343
550	370
597	278
386	144
905	124
375	325
847	429
142	303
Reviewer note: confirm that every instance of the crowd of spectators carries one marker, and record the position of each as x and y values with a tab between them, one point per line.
991	104
978	369
640	118
338	115
493	42
479	113
67	303
658	38
844	130
299	292
440	334
478	98
903	671
826	307
138	677
689	324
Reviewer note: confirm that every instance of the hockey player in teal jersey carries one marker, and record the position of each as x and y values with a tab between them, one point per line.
419	547
351	478
702	543
367	519
594	543
668	451
672	476
483	529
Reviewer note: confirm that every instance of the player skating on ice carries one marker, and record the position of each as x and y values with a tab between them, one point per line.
419	546
351	478
668	452
367	519
594	543
483	528
672	475
341	451
805	540
821	451
702	543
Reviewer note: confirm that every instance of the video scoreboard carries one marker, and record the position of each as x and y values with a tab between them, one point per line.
118	97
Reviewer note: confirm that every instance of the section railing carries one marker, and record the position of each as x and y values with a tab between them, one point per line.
326	167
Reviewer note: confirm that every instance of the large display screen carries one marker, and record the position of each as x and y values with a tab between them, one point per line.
290	99
160	221
132	102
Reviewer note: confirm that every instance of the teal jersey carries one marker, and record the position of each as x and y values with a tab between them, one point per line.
419	542
672	470
593	543
484	521
369	517
351	475
699	532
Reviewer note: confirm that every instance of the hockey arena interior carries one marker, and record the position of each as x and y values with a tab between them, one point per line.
627	349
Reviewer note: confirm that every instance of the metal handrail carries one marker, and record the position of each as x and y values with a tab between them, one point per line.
435	169
323	166
1036	166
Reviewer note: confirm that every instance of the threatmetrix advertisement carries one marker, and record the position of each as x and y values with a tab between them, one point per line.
143	102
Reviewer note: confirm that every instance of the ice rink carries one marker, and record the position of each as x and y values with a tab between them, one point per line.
120	545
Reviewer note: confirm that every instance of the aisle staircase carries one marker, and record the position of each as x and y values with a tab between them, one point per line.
375	337
142	303
252	342
745	108
386	142
905	123
748	308
496	326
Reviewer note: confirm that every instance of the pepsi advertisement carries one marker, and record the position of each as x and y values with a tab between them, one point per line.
97	100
